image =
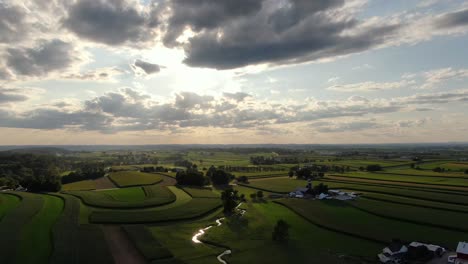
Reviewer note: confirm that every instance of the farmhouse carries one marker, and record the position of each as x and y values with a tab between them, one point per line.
462	253
394	253
299	192
343	196
436	250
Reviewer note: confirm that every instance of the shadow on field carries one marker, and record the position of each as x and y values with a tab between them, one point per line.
336	203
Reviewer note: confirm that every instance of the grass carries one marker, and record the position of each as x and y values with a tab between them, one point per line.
430	180
131	194
417	202
425	216
282	185
146	243
75	243
36	235
341	217
193	209
13	223
177	238
403	191
250	238
133	178
200	192
126	199
7	203
65	231
80	185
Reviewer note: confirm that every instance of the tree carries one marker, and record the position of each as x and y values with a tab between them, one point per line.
190	177
291	174
253	196
320	188
229	198
260	195
219	177
243	179
281	232
466	171
374	167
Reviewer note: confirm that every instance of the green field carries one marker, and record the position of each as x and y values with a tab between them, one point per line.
133	178
36	235
80	185
330	214
7	203
158	218
128	198
193	209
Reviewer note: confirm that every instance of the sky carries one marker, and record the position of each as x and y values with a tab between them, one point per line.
83	72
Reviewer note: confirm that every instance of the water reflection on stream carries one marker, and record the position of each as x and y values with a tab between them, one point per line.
201	232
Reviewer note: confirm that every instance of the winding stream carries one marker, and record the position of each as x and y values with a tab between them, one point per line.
201	232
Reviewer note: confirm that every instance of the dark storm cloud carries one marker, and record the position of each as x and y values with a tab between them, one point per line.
148	68
454	19
301	31
111	22
48	56
206	14
12	26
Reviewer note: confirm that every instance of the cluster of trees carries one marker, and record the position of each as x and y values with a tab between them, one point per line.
316	171
37	173
150	169
230	200
184	163
248	169
258	195
218	176
261	160
373	167
89	172
191	176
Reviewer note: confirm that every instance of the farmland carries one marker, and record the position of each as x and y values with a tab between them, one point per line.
154	217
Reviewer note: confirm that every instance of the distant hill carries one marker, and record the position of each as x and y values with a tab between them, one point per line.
38	150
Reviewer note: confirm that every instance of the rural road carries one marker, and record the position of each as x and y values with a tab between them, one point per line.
122	249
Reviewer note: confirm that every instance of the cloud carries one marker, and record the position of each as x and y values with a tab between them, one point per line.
239	96
46	57
11	95
131	110
101	74
329	127
117	22
16	95
453	19
12	23
302	31
146	67
205	14
434	77
370	86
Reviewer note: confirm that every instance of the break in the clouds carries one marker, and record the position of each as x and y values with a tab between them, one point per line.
289	70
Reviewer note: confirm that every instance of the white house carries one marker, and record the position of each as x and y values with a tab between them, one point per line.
462	253
393	253
437	250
